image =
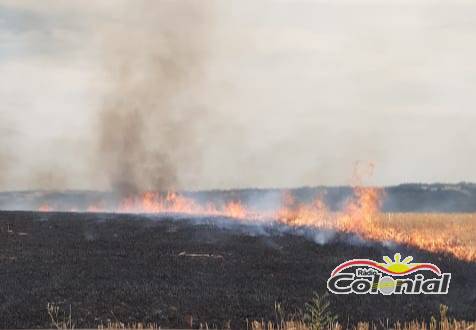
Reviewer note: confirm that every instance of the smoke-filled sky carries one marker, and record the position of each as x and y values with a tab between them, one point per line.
143	95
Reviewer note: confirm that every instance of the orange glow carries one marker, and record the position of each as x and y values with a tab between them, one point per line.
361	215
45	208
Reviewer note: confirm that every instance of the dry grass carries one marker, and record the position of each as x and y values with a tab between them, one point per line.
324	321
442	323
415	325
434	324
436	232
131	326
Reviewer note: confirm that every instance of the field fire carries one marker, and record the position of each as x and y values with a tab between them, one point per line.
278	165
434	232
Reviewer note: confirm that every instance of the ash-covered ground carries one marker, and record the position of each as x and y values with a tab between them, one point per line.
146	268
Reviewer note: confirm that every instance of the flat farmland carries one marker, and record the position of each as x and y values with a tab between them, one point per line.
158	269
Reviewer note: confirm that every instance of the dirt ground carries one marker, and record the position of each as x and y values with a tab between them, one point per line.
140	268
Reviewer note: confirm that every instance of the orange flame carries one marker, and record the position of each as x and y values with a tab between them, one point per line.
45	208
361	215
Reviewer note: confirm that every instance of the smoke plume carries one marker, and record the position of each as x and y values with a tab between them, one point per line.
153	62
136	95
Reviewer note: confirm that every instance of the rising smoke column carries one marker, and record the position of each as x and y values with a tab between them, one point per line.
148	121
5	152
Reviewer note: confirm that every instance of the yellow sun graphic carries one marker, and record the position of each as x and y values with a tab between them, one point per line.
397	265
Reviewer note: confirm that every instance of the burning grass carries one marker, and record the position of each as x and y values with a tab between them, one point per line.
435	232
134	269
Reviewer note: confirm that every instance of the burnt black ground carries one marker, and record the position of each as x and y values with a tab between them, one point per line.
129	268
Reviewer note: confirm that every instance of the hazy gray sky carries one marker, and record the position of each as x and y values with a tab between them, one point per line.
286	93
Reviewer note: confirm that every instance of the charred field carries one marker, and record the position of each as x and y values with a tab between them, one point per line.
163	269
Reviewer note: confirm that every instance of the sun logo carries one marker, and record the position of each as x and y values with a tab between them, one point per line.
397	265
366	276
